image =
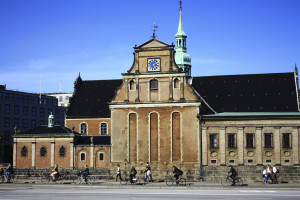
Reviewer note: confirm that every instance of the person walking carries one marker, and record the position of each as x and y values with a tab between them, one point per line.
9	172
86	172
118	173
132	174
264	176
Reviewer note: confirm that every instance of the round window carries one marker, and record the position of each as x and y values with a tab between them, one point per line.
24	152
43	152
62	151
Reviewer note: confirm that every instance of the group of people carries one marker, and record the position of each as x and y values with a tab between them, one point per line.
147	172
270	173
55	174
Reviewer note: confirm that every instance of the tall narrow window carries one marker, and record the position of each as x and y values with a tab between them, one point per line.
176	139
131	85
103	129
82	156
25	110
213	140
268	140
101	156
249	140
154	84
286	140
83	129
231	141
176	83
16	109
7	108
62	151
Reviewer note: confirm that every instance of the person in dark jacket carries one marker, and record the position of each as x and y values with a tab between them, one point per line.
86	173
177	172
132	174
233	174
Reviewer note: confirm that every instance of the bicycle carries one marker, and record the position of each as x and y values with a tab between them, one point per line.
3	178
171	180
47	177
80	179
228	181
126	180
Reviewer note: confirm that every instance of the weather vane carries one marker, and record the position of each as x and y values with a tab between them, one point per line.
154	30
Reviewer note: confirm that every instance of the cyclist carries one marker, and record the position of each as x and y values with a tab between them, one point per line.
177	172
86	173
233	175
9	172
132	174
55	173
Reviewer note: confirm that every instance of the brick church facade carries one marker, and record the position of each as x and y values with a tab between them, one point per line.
159	113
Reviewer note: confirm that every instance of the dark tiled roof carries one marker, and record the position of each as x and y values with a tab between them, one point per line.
92	97
45	130
97	140
249	93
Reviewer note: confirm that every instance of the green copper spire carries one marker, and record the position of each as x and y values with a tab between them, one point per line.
182	59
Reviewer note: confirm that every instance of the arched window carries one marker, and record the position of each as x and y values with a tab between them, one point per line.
83	129
154	84
131	85
176	83
103	129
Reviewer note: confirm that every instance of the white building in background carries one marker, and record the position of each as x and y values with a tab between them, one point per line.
63	98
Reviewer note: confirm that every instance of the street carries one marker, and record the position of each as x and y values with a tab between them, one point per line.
50	192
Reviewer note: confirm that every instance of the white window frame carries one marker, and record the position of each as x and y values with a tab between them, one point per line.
106	128
103	156
84	156
86	128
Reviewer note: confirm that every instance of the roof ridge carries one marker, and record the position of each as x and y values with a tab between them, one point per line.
245	74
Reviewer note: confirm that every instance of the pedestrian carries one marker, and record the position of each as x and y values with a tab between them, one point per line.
132	174
148	173
9	172
275	171
118	173
264	176
269	172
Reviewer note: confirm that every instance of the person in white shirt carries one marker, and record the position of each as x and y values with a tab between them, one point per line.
275	171
118	173
264	176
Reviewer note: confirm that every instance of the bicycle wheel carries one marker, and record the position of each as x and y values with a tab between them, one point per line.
90	180
238	181
2	179
45	179
124	181
182	182
225	182
11	179
59	180
170	181
77	180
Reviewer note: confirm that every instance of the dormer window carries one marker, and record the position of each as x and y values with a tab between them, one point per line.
176	83
154	84
131	85
83	129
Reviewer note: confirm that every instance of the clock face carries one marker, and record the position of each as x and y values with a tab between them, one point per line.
153	64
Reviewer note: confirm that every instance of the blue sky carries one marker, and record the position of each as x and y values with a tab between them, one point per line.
57	39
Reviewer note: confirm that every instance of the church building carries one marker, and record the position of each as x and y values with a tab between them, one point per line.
159	113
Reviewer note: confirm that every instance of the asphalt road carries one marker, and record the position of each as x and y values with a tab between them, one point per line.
64	192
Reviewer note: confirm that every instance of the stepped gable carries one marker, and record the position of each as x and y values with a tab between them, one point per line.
97	140
46	131
249	93
92	97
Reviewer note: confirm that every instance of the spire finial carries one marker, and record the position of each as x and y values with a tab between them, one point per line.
154	30
180	6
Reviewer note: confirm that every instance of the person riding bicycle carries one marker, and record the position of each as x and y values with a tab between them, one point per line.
55	173
133	172
233	175
9	172
177	172
86	173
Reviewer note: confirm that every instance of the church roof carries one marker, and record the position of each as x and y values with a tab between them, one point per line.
275	92
91	98
45	131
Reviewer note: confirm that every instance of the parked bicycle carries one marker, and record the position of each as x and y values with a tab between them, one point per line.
171	180
228	181
79	179
46	178
126	180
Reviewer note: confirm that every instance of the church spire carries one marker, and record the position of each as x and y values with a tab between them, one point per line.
182	59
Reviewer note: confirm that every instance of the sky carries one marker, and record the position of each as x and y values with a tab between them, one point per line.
52	41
